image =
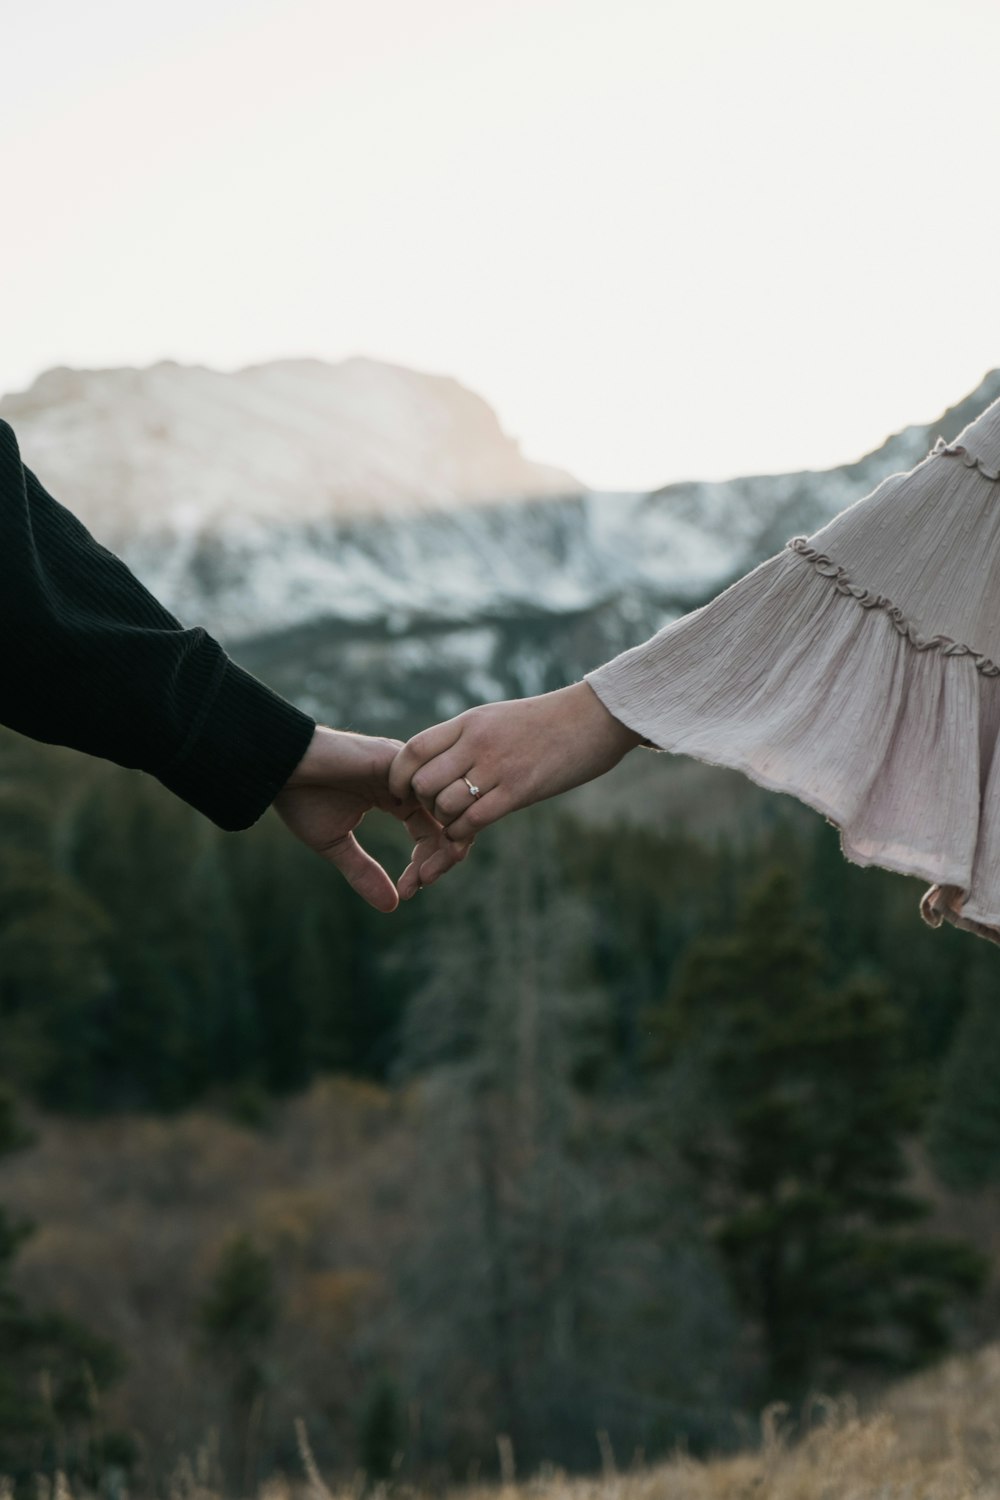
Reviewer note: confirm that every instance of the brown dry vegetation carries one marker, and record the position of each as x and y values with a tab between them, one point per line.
133	1212
936	1437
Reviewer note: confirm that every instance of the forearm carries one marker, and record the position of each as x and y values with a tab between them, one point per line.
93	661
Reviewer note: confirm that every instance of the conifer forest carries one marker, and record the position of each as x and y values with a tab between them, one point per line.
606	1142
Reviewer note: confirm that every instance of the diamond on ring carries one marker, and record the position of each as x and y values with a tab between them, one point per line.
473	790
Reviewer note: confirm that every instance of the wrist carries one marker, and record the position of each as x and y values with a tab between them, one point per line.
341	755
628	738
305	770
618	735
631	738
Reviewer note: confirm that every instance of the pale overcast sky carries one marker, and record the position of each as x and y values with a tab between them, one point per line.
664	239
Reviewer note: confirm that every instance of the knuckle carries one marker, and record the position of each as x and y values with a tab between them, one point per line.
415	752
475	730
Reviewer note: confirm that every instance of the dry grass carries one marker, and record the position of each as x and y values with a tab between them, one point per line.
936	1437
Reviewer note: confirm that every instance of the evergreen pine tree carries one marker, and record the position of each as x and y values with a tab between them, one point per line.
964	1125
800	1148
381	1426
237	1319
56	985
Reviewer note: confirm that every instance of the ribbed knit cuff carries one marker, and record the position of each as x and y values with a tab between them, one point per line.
248	743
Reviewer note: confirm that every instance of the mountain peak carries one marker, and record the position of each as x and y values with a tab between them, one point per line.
184	447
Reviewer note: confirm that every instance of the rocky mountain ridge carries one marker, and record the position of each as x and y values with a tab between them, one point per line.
368	538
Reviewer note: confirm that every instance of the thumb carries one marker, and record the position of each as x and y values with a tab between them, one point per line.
362	873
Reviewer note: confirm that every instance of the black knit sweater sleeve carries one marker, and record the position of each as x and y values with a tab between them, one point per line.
90	659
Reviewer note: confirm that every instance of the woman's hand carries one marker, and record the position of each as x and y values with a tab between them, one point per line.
340	778
515	753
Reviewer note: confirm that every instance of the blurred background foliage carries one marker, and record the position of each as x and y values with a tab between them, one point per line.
617	1135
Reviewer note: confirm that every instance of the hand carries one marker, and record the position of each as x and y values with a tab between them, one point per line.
340	778
516	753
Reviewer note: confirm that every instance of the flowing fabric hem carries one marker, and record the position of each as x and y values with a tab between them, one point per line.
948	903
877	855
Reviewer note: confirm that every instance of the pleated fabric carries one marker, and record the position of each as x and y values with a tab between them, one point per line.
858	669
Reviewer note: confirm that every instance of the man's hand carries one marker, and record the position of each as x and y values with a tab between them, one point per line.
515	753
340	778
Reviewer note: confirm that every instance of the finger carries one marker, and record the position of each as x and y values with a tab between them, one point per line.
418	751
443	860
430	779
485	810
455	800
420	825
424	869
362	873
428	839
424	830
408	883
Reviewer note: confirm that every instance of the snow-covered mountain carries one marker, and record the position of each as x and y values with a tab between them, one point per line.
232	494
368	538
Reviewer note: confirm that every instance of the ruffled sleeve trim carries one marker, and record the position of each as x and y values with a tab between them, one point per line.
942	449
870	599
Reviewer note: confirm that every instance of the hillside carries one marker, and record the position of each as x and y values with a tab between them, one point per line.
135	1210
